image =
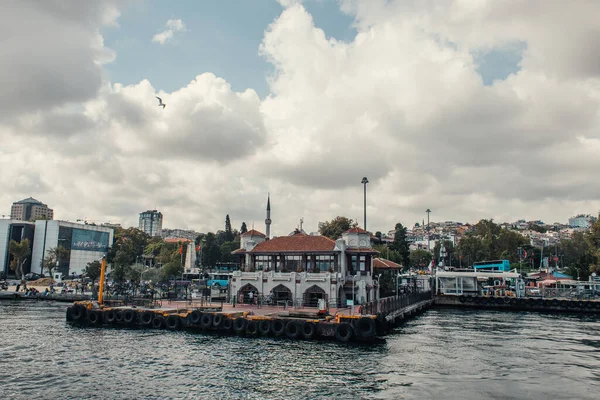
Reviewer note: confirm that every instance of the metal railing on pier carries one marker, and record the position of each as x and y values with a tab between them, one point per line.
391	304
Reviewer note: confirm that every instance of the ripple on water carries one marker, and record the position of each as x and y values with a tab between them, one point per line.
441	354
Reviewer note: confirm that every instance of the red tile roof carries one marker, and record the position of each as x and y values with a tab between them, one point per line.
253	232
177	240
295	243
356	229
382	263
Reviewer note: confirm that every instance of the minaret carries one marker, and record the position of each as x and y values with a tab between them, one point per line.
268	220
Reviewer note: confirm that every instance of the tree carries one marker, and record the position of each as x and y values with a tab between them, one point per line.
55	257
401	245
130	243
388	254
226	249
244	228
92	270
19	251
420	258
333	229
472	249
228	231
211	252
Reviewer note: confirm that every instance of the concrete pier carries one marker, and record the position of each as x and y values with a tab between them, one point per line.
519	304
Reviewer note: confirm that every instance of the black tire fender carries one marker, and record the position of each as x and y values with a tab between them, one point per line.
309	330
365	328
93	317
252	327
264	327
218	320
79	312
344	332
158	322
173	322
227	324
129	316
146	318
206	321
292	329
278	327
239	324
110	316
195	317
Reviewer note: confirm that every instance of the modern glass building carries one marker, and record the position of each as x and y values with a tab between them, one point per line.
84	243
151	222
14	230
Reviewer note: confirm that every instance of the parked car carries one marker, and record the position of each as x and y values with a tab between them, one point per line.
33	276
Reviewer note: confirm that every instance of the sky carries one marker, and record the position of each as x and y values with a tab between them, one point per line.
473	109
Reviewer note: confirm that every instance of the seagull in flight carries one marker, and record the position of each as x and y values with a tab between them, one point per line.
160	103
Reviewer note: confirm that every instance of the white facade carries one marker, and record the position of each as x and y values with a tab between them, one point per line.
581	221
303	287
47	237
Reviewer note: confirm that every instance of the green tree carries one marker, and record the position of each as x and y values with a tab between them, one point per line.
92	270
228	231
506	245
128	245
226	249
388	253
420	258
19	251
56	256
472	249
401	245
211	253
333	229
244	228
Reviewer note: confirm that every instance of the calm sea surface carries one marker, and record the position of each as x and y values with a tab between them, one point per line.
442	354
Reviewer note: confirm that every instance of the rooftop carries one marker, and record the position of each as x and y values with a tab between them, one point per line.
296	243
253	232
382	263
29	200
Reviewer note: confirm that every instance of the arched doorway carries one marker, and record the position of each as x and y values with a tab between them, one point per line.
312	296
243	294
281	294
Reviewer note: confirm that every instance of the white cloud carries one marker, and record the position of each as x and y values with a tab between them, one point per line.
402	104
172	26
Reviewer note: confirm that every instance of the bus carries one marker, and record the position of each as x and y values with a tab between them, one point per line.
218	279
494	265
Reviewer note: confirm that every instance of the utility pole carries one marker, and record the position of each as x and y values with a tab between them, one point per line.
364	182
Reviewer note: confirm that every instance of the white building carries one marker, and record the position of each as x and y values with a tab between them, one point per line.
581	221
84	243
303	269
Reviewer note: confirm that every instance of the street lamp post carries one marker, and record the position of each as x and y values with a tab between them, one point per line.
364	182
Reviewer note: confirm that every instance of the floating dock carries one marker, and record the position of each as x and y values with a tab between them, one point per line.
520	303
372	320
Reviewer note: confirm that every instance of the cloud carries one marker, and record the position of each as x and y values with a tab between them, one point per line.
52	54
402	103
173	26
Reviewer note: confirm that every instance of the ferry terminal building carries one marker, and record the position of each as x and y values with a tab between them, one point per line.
301	269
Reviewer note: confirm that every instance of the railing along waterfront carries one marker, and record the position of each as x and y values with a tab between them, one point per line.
394	303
